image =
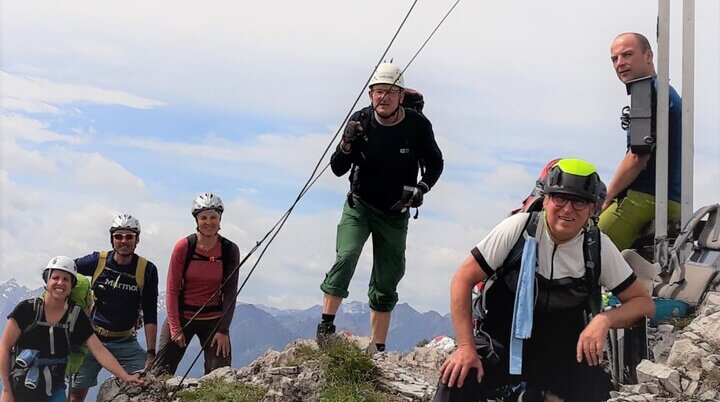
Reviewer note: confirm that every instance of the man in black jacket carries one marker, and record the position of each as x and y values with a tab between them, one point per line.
384	146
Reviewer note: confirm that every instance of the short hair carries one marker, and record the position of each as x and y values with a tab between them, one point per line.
642	40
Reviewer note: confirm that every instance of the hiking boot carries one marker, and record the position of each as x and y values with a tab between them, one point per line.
371	349
325	333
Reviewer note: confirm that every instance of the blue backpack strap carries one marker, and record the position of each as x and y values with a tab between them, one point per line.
591	254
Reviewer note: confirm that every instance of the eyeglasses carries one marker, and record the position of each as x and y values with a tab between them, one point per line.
123	236
578	204
384	92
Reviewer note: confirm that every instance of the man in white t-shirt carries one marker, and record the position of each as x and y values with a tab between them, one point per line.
563	351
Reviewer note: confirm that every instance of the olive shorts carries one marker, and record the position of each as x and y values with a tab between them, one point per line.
389	234
624	220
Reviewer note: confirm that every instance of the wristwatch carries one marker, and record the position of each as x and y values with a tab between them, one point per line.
151	351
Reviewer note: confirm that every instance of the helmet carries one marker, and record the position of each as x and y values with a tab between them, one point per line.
61	263
207	201
387	73
575	177
125	221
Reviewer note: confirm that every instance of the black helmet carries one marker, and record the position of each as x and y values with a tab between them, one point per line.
575	177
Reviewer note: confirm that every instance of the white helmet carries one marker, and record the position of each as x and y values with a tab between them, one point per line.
61	263
207	201
388	73
125	221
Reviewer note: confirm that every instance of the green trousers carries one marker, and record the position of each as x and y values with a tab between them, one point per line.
624	221
389	233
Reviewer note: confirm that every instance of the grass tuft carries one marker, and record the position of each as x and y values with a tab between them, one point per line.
221	391
351	374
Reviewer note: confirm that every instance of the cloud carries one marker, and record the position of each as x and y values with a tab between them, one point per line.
19	127
251	95
33	94
93	170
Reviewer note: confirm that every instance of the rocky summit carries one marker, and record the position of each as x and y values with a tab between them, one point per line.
684	365
291	375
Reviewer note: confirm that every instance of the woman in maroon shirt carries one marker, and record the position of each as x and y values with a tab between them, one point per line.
201	287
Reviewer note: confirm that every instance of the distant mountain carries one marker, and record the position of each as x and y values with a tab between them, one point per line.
256	328
407	328
12	293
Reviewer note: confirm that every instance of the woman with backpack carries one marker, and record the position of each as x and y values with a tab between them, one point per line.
201	289
39	335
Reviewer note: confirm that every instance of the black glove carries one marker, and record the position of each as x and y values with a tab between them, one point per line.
417	198
625	118
352	130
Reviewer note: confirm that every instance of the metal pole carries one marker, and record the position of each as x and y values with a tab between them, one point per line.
661	151
688	110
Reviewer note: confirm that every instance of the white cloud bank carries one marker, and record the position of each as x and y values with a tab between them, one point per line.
508	85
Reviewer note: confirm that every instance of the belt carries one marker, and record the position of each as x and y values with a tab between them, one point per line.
112	334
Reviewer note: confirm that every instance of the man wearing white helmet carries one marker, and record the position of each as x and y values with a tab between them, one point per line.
384	146
126	289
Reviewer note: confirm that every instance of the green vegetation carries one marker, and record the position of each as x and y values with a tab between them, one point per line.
304	353
221	391
680	322
352	392
351	374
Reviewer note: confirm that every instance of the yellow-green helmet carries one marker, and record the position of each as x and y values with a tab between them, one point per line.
575	177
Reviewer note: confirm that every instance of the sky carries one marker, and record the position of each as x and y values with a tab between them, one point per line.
136	107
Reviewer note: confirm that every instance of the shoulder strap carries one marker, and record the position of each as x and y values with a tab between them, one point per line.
226	250
72	317
591	254
37	303
140	272
192	244
515	253
102	261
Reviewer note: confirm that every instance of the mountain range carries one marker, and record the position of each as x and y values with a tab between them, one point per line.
257	328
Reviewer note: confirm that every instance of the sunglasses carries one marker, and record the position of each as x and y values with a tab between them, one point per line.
123	236
577	203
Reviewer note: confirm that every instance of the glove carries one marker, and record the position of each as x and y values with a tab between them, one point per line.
625	118
352	130
417	198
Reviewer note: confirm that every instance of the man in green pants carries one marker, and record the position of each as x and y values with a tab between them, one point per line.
384	146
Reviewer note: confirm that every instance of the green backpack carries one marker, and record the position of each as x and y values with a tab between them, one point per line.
81	295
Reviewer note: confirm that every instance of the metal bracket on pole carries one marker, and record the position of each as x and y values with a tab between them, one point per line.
642	115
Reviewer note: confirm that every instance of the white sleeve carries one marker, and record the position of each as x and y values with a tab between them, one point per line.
614	270
496	246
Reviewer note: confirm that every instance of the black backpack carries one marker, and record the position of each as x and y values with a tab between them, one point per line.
591	254
228	268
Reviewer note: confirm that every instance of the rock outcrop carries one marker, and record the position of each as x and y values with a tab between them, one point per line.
289	376
685	362
684	366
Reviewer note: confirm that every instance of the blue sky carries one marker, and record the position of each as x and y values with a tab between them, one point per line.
136	107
